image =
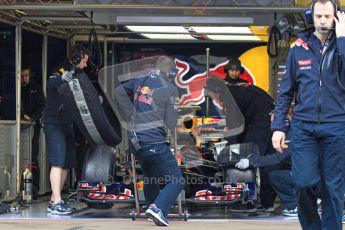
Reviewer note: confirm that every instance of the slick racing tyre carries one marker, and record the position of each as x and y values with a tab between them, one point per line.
99	165
82	105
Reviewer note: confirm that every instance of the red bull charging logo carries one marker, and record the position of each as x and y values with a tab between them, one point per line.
194	86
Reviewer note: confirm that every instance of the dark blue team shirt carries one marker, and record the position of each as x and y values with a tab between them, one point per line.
312	77
154	106
51	112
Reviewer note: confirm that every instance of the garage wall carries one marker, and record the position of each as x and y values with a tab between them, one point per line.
7	72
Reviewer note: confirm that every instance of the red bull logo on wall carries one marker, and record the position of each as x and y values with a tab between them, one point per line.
193	85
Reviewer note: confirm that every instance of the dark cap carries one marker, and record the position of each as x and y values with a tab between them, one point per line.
234	64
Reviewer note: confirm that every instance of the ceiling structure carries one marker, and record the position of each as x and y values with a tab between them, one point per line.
239	20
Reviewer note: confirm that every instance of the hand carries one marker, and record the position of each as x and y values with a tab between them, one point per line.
340	24
278	141
242	164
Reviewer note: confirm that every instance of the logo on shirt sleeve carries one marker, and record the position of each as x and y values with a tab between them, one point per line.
300	42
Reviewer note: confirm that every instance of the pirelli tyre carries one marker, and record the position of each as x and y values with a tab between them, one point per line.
90	112
99	164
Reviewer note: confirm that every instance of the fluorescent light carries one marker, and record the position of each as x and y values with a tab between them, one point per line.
21	12
222	29
185	20
160	29
224	33
233	38
168	36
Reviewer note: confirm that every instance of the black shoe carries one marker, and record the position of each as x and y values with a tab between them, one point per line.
263	209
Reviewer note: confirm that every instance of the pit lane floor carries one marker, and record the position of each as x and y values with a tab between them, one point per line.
35	216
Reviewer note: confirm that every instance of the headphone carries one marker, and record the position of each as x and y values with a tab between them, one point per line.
310	11
234	64
76	58
76	54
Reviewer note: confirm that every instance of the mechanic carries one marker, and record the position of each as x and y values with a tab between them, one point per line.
279	173
59	134
233	71
155	102
315	77
32	101
256	106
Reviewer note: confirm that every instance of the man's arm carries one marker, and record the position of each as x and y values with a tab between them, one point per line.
287	91
258	161
340	33
123	101
268	160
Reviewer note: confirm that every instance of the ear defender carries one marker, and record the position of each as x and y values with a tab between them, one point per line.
309	16
76	58
76	54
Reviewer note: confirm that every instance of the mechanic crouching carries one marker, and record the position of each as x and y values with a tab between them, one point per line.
278	167
255	105
154	100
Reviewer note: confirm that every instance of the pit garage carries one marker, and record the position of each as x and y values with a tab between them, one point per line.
125	38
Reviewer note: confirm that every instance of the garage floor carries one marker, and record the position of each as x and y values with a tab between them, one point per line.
35	216
120	224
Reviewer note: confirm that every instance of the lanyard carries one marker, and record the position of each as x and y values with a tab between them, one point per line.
326	44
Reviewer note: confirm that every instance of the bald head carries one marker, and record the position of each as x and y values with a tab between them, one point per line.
165	64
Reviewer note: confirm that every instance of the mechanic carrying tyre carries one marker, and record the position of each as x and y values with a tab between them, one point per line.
59	134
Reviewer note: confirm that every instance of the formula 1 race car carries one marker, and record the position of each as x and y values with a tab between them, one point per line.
197	146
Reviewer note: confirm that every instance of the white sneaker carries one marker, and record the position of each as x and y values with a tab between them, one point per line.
156	215
291	212
149	219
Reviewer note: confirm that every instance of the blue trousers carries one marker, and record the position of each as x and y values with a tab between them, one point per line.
318	152
160	168
282	184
